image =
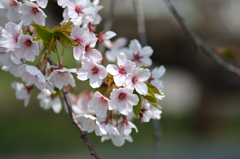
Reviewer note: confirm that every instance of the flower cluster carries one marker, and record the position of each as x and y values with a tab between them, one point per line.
126	89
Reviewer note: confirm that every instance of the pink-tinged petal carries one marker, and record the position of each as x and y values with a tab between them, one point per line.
145	75
121	59
56	105
118	141
112	69
141	88
94	55
95	81
42	3
146	61
122	108
112	104
83	74
78	52
135	46
71	10
158	72
146	51
89	10
119	79
88	65
72	81
32	70
27	19
129	66
110	34
133	99
102	72
39	18
120	42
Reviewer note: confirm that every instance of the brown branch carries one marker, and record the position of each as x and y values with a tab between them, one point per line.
143	39
199	43
75	122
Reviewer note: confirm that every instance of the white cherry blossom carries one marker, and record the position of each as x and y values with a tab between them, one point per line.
99	103
123	100
92	71
32	76
61	77
10	9
22	92
26	48
81	36
41	3
12	63
141	56
63	3
90	124
111	130
79	7
157	73
125	127
102	37
32	13
136	80
120	71
117	140
10	35
47	101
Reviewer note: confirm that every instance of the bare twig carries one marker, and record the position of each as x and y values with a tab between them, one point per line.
141	22
143	38
75	122
199	43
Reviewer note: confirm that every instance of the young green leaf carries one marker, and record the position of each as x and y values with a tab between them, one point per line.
137	108
154	89
150	97
67	39
43	32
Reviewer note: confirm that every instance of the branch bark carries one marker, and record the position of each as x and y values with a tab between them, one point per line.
143	39
75	122
198	42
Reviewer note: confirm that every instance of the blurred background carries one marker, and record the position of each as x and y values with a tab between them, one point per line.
201	110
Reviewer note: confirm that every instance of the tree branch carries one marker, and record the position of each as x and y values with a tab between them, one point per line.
143	39
75	122
198	42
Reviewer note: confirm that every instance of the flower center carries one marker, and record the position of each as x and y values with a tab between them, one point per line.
34	10
122	71
88	48
13	3
78	41
137	57
150	79
90	121
78	9
122	96
95	70
28	43
103	100
134	80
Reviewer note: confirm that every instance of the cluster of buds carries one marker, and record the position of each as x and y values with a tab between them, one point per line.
125	88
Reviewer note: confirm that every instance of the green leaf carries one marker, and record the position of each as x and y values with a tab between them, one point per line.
43	32
137	108
58	93
67	39
153	89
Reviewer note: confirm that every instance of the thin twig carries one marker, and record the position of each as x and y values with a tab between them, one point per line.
75	122
140	21
143	39
199	43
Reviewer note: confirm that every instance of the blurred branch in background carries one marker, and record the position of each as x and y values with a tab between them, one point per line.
198	42
143	38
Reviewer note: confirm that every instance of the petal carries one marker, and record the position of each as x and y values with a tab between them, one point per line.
112	69
141	88
121	59
110	34
146	51
95	81
83	74
135	46
119	79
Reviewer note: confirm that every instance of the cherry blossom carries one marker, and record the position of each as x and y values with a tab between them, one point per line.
140	55
136	80
61	77
102	37
22	92
81	36
47	101
120	71
41	3
92	71
32	13
12	63
117	140
111	130
10	9
32	76
26	48
63	3
90	124
99	103
157	73
78	7
10	35
123	100
125	127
